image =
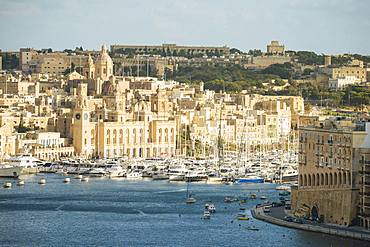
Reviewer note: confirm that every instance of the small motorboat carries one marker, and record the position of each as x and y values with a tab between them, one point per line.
243	200
253	196
190	200
263	197
212	208
206	215
7	185
229	199
20	182
242	216
283	187
252	228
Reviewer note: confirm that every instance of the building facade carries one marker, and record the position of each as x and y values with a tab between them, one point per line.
329	165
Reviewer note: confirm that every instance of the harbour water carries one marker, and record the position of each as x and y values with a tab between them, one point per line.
122	212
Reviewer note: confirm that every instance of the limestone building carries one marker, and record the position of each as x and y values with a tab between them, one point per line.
329	165
274	48
364	203
112	131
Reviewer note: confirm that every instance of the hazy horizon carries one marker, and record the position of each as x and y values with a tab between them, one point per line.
323	26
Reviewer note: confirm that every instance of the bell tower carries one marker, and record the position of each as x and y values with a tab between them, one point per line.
81	124
89	72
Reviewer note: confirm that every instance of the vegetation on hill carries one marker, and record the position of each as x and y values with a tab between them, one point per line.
234	78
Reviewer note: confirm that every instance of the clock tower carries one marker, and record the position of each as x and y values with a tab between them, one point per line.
83	132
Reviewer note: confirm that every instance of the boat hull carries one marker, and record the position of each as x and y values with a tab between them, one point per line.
250	180
11	172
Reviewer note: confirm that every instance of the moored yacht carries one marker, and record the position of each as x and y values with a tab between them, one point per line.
113	169
8	171
26	162
177	173
134	174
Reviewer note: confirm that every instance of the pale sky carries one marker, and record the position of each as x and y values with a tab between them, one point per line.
323	26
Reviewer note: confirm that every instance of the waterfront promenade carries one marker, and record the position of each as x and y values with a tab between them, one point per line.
277	214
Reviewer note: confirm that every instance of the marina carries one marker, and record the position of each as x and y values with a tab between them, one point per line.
136	212
274	166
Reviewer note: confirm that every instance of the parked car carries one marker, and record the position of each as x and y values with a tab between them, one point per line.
289	218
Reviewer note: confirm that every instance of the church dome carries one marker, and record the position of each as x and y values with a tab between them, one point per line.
104	56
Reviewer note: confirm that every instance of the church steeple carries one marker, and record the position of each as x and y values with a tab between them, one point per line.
90	70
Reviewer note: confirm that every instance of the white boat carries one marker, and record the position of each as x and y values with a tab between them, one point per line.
206	215
194	176
8	171
25	161
114	170
96	172
283	187
159	176
290	175
189	198
134	174
177	173
211	207
214	180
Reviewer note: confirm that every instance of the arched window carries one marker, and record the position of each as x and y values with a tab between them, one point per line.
141	137
317	180
165	135
322	180
300	180
331	179
313	180
134	136
348	178
344	178
120	136
326	179
160	136
172	135
114	136
335	179
108	136
340	178
305	180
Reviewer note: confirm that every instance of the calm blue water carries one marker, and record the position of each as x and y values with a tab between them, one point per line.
118	212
